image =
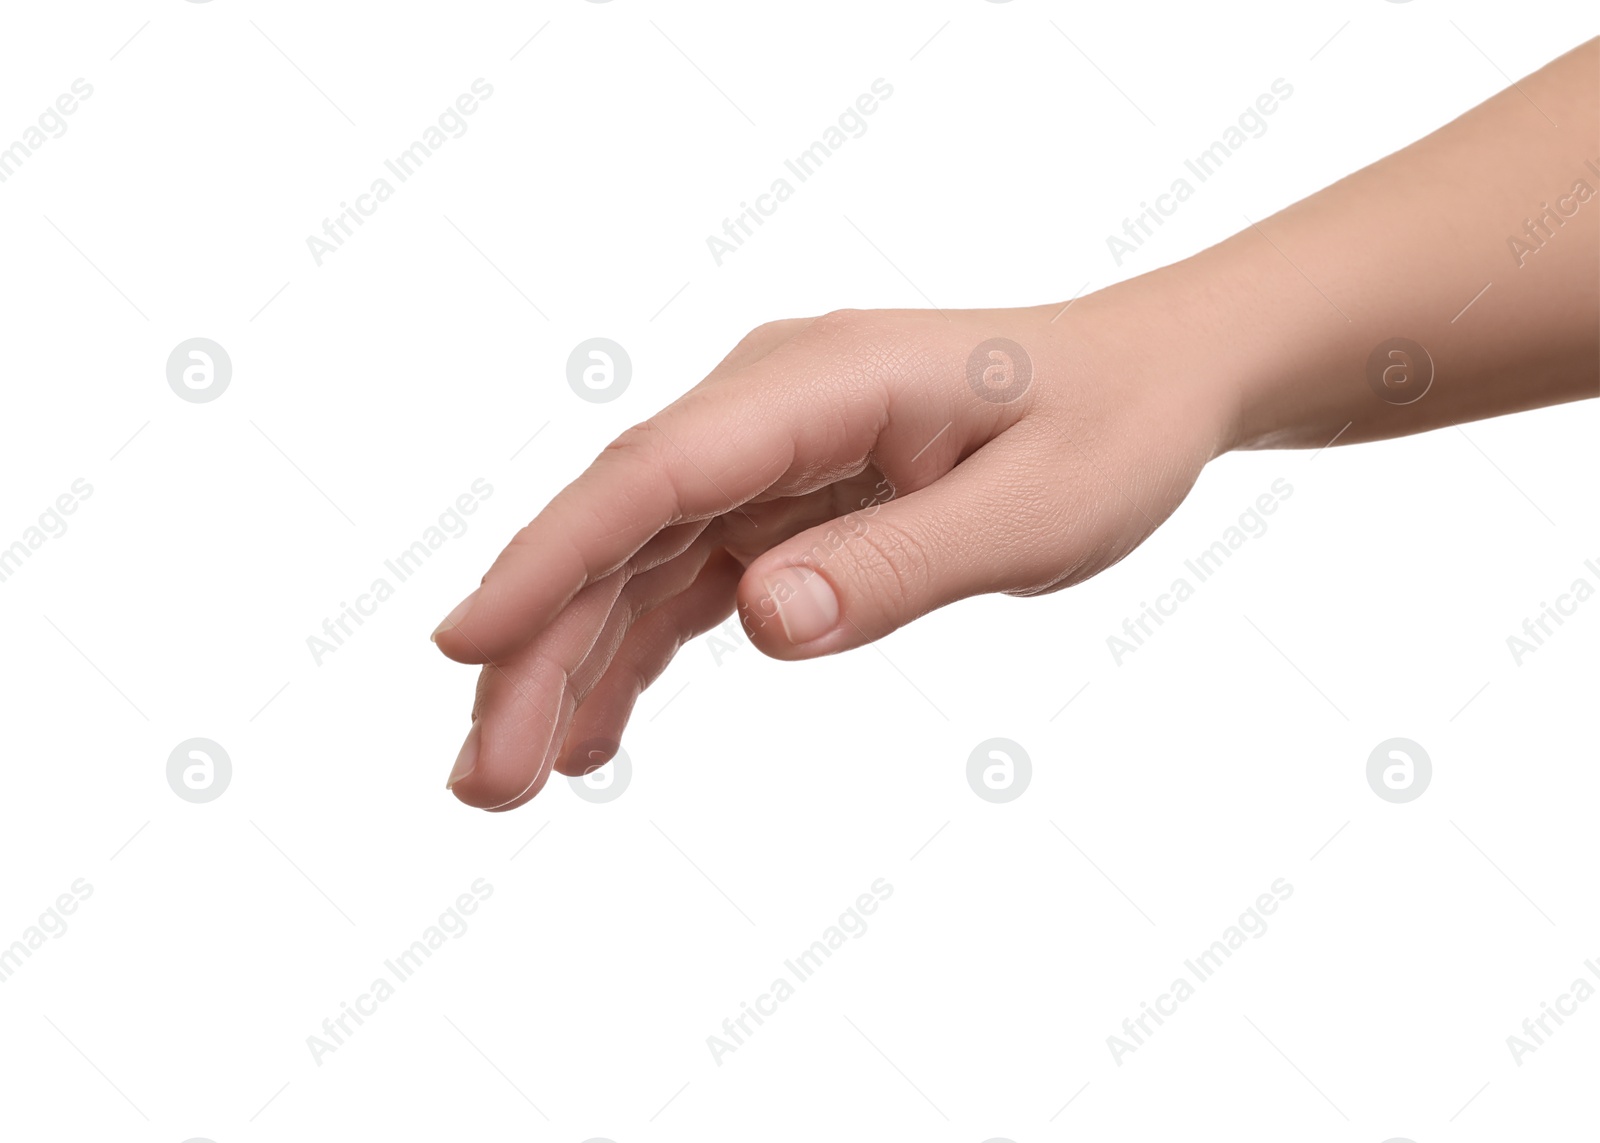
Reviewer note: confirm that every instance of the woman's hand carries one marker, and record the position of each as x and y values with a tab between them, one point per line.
834	478
837	477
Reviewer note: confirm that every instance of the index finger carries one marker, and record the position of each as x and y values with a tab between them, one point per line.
723	444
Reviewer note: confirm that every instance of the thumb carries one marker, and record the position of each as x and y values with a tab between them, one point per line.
858	577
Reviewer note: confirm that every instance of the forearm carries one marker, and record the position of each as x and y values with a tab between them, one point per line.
1025	450
1292	319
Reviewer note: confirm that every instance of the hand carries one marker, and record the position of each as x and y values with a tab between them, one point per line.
835	478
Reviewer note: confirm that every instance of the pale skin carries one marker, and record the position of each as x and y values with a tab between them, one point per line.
834	478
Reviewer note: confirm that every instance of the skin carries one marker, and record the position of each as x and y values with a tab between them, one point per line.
852	452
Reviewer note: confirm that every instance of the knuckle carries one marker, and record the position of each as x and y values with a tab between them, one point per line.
640	451
642	457
639	441
765	331
763	338
636	679
842	323
752	343
861	352
891	562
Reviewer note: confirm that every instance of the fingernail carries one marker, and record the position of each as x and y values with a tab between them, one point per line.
455	616
467	759
806	605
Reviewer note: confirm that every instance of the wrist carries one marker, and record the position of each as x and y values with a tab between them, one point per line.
1173	339
1239	328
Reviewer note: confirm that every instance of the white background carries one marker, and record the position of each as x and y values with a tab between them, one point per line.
369	392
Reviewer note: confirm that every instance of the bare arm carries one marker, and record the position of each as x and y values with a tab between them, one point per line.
1480	243
837	477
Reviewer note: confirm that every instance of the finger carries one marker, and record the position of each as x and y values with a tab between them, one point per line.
759	430
764	524
647	590
857	578
643	594
669	562
597	726
741	539
750	349
537	700
668	544
691	462
759	342
524	704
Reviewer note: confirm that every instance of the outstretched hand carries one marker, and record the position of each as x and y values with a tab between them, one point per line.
835	478
832	479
